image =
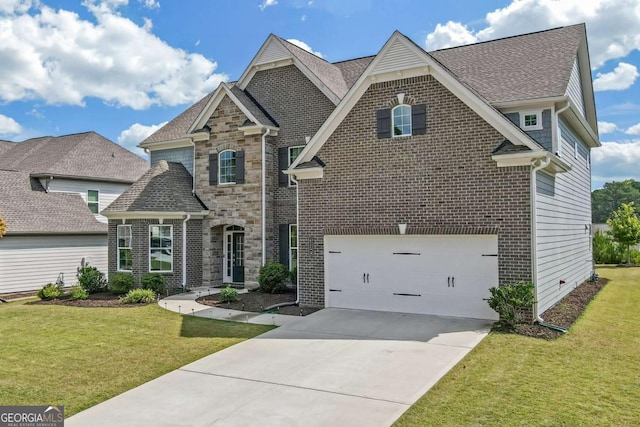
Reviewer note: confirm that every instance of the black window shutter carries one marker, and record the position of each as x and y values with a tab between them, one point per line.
384	123
213	169
284	244
283	163
240	167
419	119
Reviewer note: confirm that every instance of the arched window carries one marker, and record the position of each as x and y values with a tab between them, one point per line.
227	167
401	120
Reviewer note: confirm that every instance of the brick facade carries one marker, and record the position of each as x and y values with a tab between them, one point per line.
140	249
439	181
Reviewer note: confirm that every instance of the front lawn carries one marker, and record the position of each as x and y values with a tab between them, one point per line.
78	357
590	376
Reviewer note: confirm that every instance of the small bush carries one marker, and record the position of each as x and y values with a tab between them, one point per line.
138	296
78	292
121	283
511	300
51	291
228	294
273	278
605	250
154	282
91	279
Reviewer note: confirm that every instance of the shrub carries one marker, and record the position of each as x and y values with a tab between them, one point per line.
138	296
78	292
228	294
293	275
121	283
511	301
605	250
154	282
91	279
273	278
51	291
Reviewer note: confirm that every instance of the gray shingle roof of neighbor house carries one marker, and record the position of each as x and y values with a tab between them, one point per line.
164	188
28	209
86	155
507	69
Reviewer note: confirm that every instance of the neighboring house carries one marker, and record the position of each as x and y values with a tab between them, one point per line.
51	192
413	181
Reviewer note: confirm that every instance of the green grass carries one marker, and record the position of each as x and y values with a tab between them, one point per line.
78	357
590	376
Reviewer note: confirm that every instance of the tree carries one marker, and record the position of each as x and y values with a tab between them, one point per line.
3	226
625	227
609	198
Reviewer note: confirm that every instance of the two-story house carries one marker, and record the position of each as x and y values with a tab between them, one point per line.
51	195
407	181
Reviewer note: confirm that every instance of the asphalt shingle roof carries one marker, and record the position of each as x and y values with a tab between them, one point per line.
352	69
250	104
28	209
178	127
507	147
164	188
82	155
5	146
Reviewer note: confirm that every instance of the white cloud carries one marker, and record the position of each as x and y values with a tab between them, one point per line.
613	25
633	130
135	134
15	6
8	126
606	127
303	18
448	35
303	45
615	161
151	4
621	78
56	56
266	3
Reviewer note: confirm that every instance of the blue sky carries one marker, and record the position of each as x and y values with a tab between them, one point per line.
124	67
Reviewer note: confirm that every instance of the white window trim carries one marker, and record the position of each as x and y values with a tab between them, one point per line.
130	247
98	202
291	181
393	135
575	150
537	113
170	228
588	160
220	168
292	247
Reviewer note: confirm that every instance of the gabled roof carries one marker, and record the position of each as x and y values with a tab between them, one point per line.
28	209
164	188
353	68
5	146
82	155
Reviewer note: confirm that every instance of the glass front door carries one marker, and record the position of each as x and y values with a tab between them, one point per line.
233	263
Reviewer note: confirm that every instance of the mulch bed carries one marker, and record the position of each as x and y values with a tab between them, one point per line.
101	299
565	312
256	301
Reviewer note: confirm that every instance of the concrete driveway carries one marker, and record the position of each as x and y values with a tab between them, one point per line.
334	367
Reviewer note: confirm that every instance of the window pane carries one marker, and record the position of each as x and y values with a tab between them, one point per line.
294	152
125	259
92	195
227	167
401	120
93	207
293	259
293	236
161	260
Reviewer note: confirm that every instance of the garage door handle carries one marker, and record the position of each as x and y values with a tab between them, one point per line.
453	282
367	277
364	275
335	290
449	282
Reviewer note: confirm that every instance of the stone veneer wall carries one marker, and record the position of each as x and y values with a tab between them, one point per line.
140	249
445	178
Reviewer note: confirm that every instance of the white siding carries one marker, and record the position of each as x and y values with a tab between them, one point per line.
398	57
108	191
29	262
574	88
563	240
274	51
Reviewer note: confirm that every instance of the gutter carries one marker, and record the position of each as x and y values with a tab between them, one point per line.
193	172
541	164
264	196
184	251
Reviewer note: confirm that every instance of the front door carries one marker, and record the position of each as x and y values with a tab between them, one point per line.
233	255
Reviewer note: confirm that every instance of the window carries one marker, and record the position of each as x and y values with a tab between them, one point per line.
227	167
161	248
125	259
401	120
93	201
588	161
293	246
294	152
531	120
575	150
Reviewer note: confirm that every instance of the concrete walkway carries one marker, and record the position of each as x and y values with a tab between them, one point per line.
332	368
185	303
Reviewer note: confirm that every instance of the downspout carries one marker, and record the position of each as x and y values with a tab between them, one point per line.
184	251
297	238
264	196
542	163
193	167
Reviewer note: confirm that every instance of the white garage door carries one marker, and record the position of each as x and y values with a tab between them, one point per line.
437	274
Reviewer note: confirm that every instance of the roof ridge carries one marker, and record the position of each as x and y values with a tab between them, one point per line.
301	49
353	59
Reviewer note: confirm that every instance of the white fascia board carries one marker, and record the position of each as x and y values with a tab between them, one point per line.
528	104
154	215
165	145
305	173
257	130
431	66
556	164
587	85
581	126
